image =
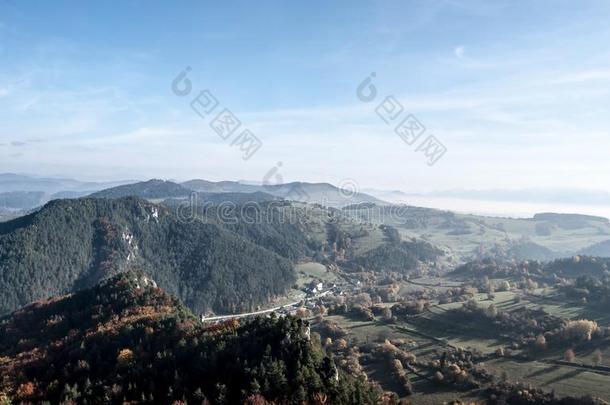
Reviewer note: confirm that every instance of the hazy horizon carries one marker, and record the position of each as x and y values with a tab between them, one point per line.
492	202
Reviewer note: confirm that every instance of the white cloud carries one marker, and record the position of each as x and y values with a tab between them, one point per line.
459	51
583	76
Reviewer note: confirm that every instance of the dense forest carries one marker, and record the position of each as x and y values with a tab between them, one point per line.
275	225
126	341
146	189
572	267
221	258
397	255
73	244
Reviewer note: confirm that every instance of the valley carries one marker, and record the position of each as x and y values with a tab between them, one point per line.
427	306
305	203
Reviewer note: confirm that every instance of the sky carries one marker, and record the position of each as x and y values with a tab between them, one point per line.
516	92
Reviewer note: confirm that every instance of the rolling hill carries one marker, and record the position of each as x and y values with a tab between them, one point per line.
320	193
217	260
151	189
465	237
19	192
543	237
51	185
599	249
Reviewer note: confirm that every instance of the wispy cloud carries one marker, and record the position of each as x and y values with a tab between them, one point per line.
583	77
516	99
459	51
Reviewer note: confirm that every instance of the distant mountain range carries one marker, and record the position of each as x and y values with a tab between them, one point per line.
51	185
321	193
24	192
316	193
540	236
21	192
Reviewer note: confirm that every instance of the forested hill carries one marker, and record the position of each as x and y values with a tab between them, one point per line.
321	193
73	244
126	341
570	268
146	189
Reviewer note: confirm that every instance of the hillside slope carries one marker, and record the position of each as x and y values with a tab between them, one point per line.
126	341
467	237
598	249
73	244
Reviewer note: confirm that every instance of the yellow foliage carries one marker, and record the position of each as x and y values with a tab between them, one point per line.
125	357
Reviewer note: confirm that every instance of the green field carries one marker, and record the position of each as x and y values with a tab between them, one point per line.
432	333
564	380
462	235
310	271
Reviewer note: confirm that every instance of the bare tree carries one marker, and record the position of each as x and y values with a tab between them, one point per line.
597	358
386	314
541	342
569	355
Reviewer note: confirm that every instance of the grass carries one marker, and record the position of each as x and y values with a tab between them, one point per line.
564	380
470	337
310	271
306	272
363	244
430	334
429	393
427	283
365	331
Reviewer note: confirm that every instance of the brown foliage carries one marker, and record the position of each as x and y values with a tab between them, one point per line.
125	357
256	399
26	390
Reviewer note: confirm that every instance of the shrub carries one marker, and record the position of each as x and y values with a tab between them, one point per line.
597	357
569	355
125	357
540	342
581	330
26	390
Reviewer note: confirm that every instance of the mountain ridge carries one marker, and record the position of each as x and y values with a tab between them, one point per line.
73	244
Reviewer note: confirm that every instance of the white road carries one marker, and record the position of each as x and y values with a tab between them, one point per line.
264	311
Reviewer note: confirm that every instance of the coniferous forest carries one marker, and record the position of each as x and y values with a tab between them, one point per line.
72	244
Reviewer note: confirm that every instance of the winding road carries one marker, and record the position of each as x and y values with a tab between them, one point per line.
263	311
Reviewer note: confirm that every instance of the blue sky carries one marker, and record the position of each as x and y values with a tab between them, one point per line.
518	92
